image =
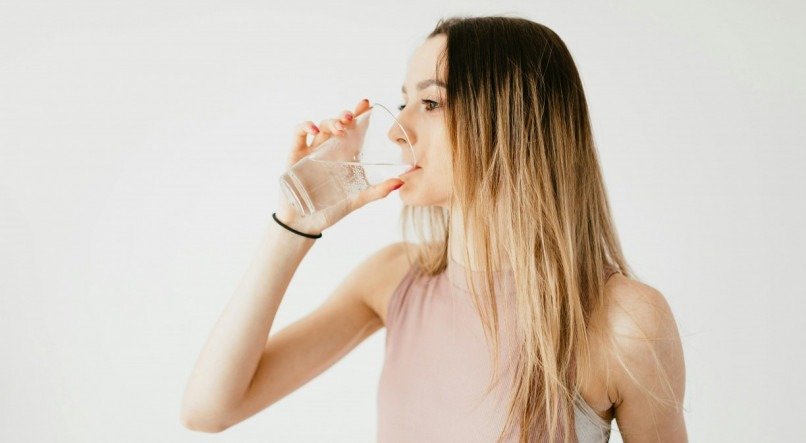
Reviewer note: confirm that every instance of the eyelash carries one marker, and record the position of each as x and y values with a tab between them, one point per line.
425	102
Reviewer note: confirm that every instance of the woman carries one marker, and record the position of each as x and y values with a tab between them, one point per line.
516	318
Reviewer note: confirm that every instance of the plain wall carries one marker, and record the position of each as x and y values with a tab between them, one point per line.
141	143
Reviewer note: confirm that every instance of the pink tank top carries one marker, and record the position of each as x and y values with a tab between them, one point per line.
436	365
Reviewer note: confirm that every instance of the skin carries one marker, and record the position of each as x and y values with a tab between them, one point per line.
239	372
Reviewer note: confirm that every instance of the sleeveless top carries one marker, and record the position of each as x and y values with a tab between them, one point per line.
437	364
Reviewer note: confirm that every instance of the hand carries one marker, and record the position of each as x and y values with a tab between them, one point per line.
320	220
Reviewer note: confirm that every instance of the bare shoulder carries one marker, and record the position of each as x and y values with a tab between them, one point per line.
645	366
636	310
381	273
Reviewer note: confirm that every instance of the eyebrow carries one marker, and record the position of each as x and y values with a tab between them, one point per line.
426	83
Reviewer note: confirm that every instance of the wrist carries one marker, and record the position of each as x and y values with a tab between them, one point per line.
291	225
281	242
288	239
289	217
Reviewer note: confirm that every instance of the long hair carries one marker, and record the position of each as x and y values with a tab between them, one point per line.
525	168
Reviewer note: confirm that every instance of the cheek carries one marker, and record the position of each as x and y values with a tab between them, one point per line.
436	181
443	174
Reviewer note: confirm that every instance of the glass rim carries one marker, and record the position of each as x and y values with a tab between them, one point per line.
391	114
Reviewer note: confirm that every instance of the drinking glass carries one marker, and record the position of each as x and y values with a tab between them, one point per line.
373	149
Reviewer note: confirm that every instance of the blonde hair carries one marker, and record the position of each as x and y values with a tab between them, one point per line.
525	167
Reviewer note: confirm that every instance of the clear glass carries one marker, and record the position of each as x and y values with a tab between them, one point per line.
374	148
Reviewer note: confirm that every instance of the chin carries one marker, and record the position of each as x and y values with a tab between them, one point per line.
409	198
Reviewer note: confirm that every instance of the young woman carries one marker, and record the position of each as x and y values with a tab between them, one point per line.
516	316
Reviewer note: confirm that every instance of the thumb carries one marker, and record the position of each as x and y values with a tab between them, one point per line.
378	191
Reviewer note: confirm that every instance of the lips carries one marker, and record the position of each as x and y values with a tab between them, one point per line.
415	169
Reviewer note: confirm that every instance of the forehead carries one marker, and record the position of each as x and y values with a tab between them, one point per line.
423	62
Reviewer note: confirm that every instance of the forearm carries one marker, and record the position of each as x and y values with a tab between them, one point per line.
233	349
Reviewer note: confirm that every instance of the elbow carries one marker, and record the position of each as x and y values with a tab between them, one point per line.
201	422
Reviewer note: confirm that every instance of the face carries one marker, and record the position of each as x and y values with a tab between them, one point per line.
422	115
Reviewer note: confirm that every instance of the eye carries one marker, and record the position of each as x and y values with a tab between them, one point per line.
425	102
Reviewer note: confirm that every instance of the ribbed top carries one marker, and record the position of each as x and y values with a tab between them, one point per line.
436	364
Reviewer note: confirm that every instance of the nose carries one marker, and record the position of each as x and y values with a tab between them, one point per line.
402	136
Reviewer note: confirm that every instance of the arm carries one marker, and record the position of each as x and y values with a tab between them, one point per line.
648	366
298	353
230	356
241	372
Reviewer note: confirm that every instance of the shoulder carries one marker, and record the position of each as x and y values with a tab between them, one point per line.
391	257
381	272
637	311
646	367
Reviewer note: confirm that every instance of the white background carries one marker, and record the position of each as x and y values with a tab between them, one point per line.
141	143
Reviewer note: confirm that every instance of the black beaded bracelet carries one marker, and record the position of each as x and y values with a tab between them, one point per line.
274	216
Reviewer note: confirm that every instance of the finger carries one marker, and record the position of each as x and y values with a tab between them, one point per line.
337	126
324	134
361	107
301	135
328	128
346	117
377	191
